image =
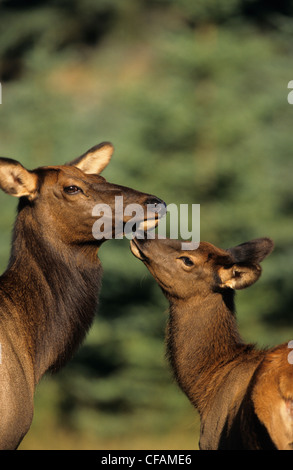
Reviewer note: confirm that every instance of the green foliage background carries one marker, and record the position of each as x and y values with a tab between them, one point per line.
193	95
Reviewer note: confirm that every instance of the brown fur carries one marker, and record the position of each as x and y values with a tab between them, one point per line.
49	292
244	395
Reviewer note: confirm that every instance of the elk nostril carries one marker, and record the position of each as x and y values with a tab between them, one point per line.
156	206
155	201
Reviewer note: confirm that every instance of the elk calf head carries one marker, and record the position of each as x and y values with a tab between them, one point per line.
184	274
61	198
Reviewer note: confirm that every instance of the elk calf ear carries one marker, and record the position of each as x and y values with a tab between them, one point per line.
95	160
16	180
239	277
245	268
253	251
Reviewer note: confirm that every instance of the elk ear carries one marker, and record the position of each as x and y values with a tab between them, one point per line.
16	180
245	269
253	251
239	277
95	160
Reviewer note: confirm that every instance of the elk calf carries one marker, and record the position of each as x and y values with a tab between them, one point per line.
49	292
244	395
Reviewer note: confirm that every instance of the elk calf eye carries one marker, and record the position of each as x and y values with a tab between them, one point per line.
187	261
72	189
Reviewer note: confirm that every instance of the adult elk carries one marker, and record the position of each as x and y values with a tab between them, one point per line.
244	395
49	292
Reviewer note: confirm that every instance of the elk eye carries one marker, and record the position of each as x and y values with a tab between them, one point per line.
187	261
72	189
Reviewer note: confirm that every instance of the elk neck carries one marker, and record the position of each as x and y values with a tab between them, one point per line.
52	290
202	335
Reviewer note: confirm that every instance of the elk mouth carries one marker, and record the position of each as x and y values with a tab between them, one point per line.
137	250
156	211
140	228
148	224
